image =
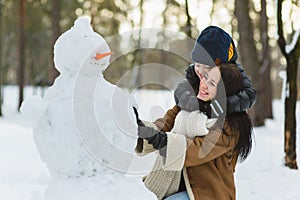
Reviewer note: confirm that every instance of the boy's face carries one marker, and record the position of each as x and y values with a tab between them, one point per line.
201	69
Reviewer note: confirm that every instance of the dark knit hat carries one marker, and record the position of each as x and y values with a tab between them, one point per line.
218	45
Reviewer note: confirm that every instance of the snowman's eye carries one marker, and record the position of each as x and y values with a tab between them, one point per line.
85	36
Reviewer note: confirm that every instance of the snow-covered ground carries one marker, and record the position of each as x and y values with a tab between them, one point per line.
23	176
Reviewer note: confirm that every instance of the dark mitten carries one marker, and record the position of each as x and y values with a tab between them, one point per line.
185	97
158	139
192	78
244	99
138	121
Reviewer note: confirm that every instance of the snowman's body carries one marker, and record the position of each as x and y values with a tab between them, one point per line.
58	136
55	134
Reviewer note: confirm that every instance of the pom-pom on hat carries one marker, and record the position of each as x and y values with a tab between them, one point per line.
218	45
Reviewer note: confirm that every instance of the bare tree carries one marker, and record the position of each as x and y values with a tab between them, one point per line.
292	59
1	68
249	57
55	33
188	20
265	61
21	50
137	61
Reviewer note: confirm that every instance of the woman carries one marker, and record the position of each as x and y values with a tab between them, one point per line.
213	47
202	167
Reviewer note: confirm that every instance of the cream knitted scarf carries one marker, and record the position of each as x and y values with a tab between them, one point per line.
192	124
162	181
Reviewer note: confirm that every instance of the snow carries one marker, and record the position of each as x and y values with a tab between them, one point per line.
21	171
24	176
75	140
40	105
84	127
291	46
79	103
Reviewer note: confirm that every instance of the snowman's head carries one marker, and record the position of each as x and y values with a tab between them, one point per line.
76	44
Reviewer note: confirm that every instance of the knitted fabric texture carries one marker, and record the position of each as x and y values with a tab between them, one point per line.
218	45
165	176
164	179
192	124
196	124
161	182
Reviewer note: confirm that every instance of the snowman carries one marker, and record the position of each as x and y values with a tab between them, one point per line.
84	127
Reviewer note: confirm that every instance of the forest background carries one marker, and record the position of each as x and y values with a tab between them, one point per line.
266	34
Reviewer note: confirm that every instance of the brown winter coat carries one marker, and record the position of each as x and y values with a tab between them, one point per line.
209	162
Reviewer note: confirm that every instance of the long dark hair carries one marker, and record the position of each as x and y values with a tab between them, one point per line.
239	123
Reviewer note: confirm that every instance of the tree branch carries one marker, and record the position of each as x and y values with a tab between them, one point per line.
281	41
296	49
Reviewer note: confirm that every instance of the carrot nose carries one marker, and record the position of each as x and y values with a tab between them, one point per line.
102	55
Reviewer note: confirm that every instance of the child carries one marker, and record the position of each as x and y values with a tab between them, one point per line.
213	47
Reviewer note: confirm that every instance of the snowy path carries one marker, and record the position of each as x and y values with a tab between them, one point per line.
22	174
263	175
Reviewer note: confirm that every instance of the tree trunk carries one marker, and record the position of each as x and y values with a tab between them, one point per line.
1	98
290	114
1	63
55	33
249	57
188	28
21	51
136	75
266	61
292	59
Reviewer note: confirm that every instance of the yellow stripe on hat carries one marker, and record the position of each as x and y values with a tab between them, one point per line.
230	52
